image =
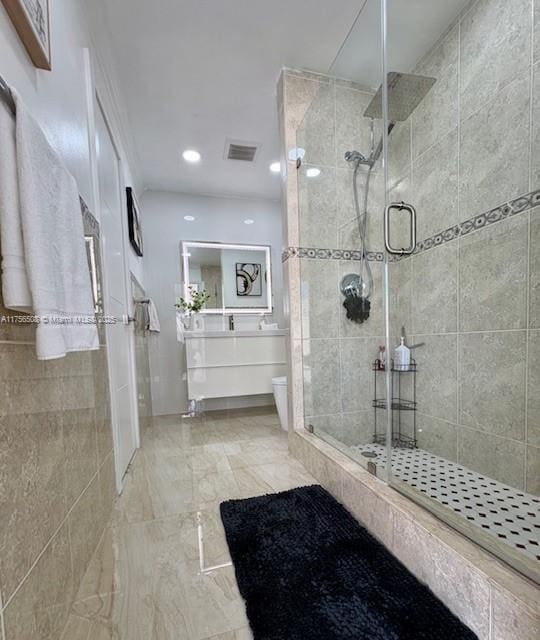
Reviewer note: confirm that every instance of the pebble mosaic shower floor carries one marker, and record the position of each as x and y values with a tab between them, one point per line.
507	513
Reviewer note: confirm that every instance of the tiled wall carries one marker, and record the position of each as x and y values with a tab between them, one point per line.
337	377
142	364
56	478
465	159
470	293
493	599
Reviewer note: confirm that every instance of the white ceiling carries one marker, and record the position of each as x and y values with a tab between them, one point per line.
196	72
413	27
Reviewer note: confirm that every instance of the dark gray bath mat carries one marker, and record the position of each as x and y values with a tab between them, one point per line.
308	571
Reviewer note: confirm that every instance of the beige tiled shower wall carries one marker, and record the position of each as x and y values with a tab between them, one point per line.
142	364
336	353
498	604
56	479
472	145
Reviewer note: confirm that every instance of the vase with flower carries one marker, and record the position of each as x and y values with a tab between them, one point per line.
191	307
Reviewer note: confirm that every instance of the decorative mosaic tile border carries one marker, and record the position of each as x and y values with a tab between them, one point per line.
504	211
330	254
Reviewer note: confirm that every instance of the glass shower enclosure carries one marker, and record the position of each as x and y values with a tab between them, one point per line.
419	200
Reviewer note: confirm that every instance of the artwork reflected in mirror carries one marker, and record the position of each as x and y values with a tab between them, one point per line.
235	277
248	279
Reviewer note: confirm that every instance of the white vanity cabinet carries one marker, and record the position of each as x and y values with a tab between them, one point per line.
223	364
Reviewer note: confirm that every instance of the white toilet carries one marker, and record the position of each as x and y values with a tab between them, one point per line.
280	395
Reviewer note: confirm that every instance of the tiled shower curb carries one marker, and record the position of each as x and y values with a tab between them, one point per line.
482	591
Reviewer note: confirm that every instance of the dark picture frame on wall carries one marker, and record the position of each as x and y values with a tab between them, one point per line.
31	19
134	225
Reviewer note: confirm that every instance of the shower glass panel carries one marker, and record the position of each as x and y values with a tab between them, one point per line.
447	145
461	157
341	254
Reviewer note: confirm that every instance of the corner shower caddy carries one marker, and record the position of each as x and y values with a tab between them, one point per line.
403	381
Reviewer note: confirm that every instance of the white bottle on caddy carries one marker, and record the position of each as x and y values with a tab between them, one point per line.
402	357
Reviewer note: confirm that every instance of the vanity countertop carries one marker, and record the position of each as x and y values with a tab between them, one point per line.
253	333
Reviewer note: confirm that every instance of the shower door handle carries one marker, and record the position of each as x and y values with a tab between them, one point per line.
400	206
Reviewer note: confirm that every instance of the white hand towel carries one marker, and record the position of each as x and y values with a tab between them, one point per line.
142	319
180	328
153	319
49	221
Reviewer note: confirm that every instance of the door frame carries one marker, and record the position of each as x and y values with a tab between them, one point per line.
96	99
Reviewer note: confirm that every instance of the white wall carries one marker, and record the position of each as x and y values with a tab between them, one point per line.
164	227
59	99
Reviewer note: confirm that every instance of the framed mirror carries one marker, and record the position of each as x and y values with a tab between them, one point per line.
237	277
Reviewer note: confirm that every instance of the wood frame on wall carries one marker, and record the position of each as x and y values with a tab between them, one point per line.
38	50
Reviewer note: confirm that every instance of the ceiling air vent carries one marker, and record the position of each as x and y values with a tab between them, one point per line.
245	151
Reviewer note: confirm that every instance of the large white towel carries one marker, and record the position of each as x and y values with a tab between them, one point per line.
153	319
47	224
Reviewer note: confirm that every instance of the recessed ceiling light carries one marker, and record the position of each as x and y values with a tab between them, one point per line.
249	221
313	172
275	167
296	152
190	155
189	218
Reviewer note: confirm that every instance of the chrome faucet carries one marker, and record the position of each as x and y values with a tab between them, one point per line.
231	323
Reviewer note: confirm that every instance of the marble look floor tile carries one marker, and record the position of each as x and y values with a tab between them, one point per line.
154	490
248	454
283	476
208	458
144	580
100	577
212	487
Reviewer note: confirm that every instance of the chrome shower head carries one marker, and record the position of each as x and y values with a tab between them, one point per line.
405	92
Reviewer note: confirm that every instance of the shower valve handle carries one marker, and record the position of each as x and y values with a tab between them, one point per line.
400	206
